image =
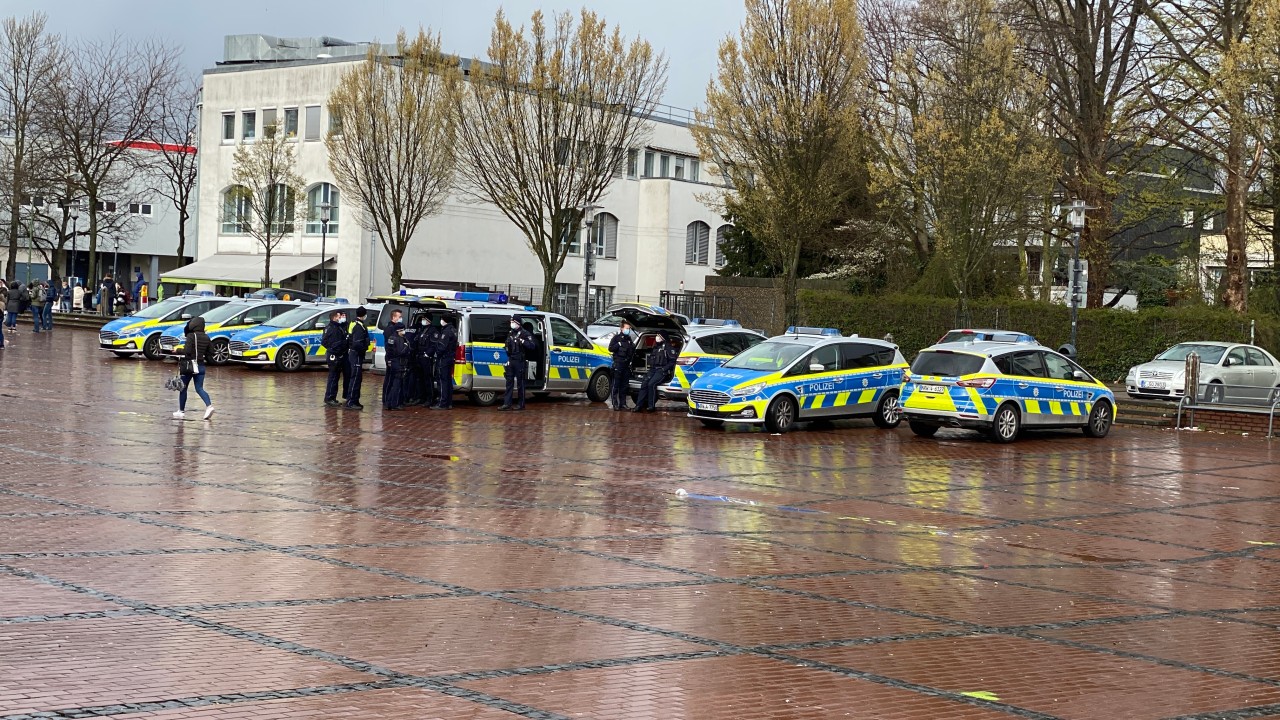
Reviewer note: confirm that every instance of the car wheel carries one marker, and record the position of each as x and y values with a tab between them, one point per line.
121	354
289	358
713	424
599	387
1006	424
923	429
485	398
1215	393
781	414
220	352
1099	420
151	348
887	414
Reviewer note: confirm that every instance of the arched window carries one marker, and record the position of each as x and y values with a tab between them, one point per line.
235	210
720	241
322	193
696	241
283	204
605	229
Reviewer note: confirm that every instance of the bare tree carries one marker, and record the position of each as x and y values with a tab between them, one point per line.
29	60
547	121
395	151
104	102
267	194
783	124
178	122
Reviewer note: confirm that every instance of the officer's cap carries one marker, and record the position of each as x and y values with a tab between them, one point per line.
361	312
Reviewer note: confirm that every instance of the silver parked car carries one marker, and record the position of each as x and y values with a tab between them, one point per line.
1229	372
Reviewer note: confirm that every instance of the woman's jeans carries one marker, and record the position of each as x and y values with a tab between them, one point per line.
186	380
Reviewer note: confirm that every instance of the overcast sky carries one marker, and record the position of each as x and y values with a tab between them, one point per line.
688	31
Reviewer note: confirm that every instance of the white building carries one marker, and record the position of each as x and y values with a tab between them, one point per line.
654	234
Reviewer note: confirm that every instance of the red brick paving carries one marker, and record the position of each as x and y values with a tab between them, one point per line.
1129	578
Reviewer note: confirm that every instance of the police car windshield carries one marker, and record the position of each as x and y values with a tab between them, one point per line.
223	313
291	318
1208	353
160	309
946	364
767	355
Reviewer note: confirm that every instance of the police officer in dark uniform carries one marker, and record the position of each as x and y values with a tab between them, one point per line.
519	342
357	346
422	370
662	365
445	348
397	349
623	349
335	347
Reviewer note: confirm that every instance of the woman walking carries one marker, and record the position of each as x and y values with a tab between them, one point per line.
194	358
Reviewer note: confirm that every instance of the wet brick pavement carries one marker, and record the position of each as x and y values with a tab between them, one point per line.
285	560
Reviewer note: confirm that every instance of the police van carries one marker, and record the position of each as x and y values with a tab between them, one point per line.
291	340
223	322
806	374
140	332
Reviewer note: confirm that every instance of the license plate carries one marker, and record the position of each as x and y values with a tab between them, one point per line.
1153	384
706	406
237	353
933	389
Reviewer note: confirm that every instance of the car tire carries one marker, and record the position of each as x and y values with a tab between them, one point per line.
220	352
1215	393
485	398
119	354
1100	420
781	414
887	416
151	347
713	424
599	386
290	358
924	430
1005	424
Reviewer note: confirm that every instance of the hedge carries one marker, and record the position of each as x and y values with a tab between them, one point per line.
1109	341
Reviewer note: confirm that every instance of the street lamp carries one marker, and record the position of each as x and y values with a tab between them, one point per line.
325	209
588	261
1076	218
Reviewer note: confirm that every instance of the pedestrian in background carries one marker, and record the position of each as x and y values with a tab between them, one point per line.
138	282
335	347
519	342
623	350
37	292
357	346
397	354
64	297
50	299
195	356
77	297
19	300
106	295
662	365
446	350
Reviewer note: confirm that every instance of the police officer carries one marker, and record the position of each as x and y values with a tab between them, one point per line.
357	346
397	348
662	364
519	341
426	345
335	346
420	378
446	347
623	349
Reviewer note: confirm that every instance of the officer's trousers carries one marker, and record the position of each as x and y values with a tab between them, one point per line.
621	385
426	391
649	390
355	362
393	386
338	368
444	382
516	372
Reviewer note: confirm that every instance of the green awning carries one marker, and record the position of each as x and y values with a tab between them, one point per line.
237	270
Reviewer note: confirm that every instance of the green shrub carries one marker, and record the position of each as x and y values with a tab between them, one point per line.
1110	341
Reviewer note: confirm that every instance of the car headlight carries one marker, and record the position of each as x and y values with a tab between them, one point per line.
1133	373
260	341
747	390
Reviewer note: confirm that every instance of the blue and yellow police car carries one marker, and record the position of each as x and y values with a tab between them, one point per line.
806	374
1001	388
141	331
708	345
223	322
292	339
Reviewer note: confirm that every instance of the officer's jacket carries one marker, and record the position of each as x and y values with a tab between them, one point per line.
397	348
623	348
334	339
358	338
517	343
448	343
662	359
427	342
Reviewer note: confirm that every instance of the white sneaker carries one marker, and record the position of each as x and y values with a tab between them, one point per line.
208	412
179	415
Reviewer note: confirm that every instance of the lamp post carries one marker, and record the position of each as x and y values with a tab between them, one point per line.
325	209
75	237
588	261
1075	218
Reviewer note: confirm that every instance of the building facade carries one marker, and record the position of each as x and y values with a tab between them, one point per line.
652	232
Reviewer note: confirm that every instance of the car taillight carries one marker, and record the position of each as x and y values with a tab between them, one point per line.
460	355
979	383
686	360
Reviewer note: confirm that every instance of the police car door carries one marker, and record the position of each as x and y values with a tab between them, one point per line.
1070	396
866	377
815	385
1031	383
536	377
568	370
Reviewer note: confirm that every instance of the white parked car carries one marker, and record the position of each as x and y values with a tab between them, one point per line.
1229	372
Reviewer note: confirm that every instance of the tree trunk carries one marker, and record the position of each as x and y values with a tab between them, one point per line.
1275	224
182	235
791	288
266	268
15	205
95	274
548	285
1235	294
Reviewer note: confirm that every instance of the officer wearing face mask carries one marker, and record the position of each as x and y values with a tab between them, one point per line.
334	341
446	348
397	365
423	362
662	365
519	342
623	349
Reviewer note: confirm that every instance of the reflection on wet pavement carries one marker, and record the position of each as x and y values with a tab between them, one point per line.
288	560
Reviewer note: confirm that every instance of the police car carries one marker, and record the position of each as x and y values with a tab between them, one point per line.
1002	388
806	374
140	332
291	340
223	322
708	345
648	321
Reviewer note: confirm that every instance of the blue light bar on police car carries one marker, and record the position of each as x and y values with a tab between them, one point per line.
825	332
713	322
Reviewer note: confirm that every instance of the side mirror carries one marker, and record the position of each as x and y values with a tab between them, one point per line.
250	321
320	324
1078	375
185	316
1229	362
817	367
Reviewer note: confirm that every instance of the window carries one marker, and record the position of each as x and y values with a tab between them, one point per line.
721	240
693	170
605	229
291	123
1207	223
248	125
489	328
1256	357
1058	368
269	122
947	364
648	163
228	127
313	123
322	193
235	210
143	209
1189	218
335	123
260	314
1026	364
1235	357
856	356
664	166
282	205
828	357
564	335
633	161
679	168
696	241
